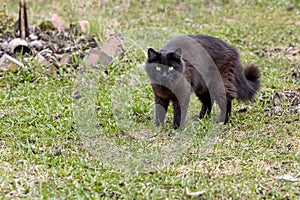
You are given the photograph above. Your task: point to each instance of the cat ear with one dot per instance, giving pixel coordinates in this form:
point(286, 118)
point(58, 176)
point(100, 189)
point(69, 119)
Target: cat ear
point(175, 55)
point(152, 54)
point(178, 52)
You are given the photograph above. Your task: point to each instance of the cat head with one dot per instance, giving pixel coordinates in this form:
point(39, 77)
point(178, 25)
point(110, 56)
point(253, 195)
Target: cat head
point(164, 67)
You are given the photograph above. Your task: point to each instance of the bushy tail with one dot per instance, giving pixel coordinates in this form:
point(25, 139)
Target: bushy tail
point(250, 84)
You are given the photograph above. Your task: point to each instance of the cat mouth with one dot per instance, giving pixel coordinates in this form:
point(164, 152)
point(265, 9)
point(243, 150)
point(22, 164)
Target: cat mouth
point(164, 82)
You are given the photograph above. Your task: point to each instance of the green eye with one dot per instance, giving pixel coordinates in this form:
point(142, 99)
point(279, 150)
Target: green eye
point(171, 68)
point(158, 68)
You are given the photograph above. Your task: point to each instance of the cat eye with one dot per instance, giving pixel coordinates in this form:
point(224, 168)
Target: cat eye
point(171, 68)
point(158, 68)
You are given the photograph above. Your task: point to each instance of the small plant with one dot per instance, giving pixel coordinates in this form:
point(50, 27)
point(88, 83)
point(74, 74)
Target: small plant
point(6, 21)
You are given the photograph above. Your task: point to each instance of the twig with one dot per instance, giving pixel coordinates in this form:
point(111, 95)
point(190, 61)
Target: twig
point(23, 24)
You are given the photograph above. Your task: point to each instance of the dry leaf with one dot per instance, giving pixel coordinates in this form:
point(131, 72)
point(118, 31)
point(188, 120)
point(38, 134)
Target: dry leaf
point(194, 194)
point(287, 177)
point(84, 25)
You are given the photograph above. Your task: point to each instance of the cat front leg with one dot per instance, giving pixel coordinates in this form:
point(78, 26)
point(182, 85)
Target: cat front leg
point(225, 112)
point(161, 108)
point(206, 104)
point(180, 111)
point(177, 114)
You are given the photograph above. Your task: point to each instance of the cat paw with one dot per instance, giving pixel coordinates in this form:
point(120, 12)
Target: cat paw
point(195, 118)
point(222, 121)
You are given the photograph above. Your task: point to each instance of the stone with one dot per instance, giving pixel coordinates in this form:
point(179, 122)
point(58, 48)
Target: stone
point(4, 45)
point(33, 37)
point(41, 59)
point(7, 62)
point(111, 48)
point(37, 44)
point(66, 59)
point(98, 56)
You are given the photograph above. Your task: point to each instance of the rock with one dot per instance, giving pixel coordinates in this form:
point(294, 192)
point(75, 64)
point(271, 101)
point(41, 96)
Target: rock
point(54, 47)
point(4, 45)
point(46, 52)
point(67, 49)
point(66, 59)
point(41, 59)
point(97, 55)
point(7, 62)
point(37, 44)
point(112, 48)
point(45, 37)
point(33, 37)
point(50, 58)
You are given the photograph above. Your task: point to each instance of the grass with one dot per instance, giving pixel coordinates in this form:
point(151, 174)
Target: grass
point(104, 144)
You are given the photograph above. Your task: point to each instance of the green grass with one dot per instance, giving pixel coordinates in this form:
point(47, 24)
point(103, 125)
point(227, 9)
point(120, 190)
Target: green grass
point(104, 144)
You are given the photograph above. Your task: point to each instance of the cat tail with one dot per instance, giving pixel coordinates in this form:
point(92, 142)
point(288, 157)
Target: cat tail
point(250, 84)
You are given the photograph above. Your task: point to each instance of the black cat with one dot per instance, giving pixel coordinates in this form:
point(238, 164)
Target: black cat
point(203, 64)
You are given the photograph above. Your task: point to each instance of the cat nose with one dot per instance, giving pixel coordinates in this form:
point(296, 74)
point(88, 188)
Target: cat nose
point(164, 74)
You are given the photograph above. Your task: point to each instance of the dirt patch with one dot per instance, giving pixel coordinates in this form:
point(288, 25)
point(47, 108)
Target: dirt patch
point(289, 52)
point(283, 103)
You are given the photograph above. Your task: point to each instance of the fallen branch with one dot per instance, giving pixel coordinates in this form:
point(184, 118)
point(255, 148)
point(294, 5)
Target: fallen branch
point(23, 24)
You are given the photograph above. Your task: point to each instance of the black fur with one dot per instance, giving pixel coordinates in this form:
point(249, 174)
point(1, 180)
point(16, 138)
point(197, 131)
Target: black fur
point(203, 64)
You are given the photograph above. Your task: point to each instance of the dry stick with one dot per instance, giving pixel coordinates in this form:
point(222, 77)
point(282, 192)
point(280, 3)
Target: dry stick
point(23, 24)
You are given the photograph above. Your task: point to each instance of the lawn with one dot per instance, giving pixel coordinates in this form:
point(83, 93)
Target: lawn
point(55, 145)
